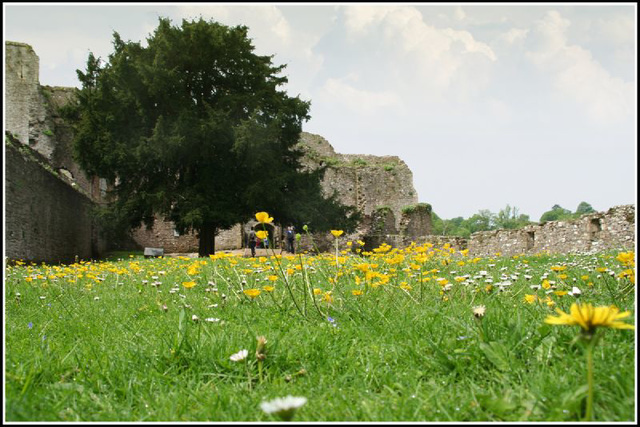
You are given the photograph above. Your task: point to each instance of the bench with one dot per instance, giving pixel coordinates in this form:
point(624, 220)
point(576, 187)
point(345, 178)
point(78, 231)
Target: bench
point(153, 252)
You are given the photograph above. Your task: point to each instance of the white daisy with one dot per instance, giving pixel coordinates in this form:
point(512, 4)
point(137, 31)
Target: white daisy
point(283, 407)
point(239, 356)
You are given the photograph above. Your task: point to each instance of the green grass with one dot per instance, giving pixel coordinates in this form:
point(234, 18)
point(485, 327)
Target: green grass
point(94, 343)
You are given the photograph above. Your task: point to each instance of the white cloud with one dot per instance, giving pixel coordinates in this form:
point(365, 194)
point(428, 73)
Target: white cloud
point(514, 35)
point(618, 30)
point(339, 91)
point(424, 59)
point(575, 73)
point(459, 14)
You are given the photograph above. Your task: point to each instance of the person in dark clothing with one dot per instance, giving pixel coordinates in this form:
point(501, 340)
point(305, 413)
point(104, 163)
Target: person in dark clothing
point(290, 235)
point(252, 241)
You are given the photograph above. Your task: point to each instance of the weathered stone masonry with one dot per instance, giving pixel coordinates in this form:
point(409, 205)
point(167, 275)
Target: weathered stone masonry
point(614, 229)
point(47, 220)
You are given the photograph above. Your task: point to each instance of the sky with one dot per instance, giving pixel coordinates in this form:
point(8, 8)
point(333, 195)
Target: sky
point(489, 104)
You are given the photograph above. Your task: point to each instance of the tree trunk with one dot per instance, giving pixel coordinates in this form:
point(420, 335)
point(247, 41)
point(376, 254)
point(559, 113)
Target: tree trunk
point(207, 240)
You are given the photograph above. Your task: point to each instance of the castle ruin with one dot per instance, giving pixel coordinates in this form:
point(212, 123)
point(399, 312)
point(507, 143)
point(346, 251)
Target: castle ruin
point(49, 197)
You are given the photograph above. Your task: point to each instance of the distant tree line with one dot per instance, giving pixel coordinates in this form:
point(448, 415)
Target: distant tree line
point(508, 218)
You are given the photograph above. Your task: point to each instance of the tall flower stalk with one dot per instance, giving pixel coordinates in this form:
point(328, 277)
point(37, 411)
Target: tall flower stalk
point(590, 318)
point(264, 218)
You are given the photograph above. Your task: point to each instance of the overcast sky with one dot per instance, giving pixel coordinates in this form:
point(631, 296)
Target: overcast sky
point(527, 105)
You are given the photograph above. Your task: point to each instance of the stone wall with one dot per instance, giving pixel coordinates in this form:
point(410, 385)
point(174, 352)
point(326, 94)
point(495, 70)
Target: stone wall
point(614, 229)
point(26, 114)
point(163, 235)
point(46, 219)
point(364, 181)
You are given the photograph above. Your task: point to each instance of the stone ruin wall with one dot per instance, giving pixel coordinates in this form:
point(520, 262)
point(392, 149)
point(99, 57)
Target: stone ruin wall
point(46, 219)
point(31, 113)
point(611, 230)
point(48, 198)
point(365, 181)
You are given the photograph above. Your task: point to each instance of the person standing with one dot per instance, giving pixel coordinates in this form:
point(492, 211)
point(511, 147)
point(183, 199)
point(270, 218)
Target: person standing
point(290, 239)
point(252, 241)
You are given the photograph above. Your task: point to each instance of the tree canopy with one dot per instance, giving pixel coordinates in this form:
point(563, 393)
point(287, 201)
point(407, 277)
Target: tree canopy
point(196, 128)
point(557, 213)
point(507, 218)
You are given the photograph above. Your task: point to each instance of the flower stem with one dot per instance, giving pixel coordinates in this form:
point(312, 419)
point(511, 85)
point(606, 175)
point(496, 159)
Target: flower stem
point(248, 376)
point(589, 409)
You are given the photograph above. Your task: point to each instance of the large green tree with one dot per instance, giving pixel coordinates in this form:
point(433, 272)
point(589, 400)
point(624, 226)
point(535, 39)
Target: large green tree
point(194, 127)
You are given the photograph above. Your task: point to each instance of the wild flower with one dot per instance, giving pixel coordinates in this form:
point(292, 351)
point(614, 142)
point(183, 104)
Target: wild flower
point(590, 318)
point(264, 218)
point(239, 356)
point(285, 407)
point(478, 311)
point(251, 293)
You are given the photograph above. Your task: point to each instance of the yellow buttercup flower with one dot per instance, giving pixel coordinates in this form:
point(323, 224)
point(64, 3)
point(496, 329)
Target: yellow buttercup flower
point(188, 285)
point(264, 218)
point(252, 293)
point(262, 234)
point(627, 258)
point(337, 233)
point(589, 317)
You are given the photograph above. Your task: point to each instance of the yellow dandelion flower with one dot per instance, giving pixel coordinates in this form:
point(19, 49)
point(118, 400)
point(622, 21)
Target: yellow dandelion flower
point(530, 299)
point(268, 288)
point(405, 286)
point(356, 292)
point(337, 233)
point(188, 285)
point(589, 317)
point(627, 258)
point(317, 291)
point(251, 293)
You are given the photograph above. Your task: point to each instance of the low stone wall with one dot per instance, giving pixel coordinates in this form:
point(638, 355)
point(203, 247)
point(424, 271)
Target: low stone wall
point(46, 219)
point(614, 229)
point(163, 235)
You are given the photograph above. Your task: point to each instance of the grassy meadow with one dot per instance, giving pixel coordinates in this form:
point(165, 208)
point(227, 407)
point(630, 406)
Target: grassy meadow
point(419, 334)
